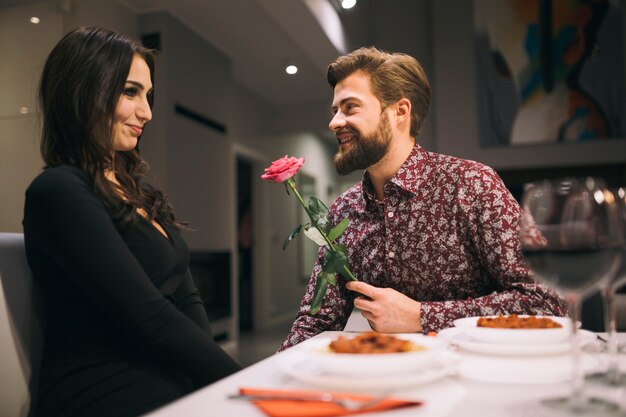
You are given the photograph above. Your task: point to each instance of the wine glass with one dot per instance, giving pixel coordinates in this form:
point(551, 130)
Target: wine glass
point(571, 238)
point(613, 376)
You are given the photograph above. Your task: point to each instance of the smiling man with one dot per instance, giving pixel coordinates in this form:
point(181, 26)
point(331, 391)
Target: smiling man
point(432, 238)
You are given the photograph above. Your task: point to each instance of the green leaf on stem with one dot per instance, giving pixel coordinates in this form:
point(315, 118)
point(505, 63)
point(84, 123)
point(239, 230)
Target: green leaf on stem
point(330, 278)
point(321, 284)
point(317, 209)
point(338, 230)
point(315, 235)
point(292, 236)
point(286, 184)
point(335, 261)
point(323, 225)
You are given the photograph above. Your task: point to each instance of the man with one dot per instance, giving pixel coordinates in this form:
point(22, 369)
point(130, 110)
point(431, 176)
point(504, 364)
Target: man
point(432, 238)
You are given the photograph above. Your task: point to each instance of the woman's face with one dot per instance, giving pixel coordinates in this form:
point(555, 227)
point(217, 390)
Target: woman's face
point(132, 111)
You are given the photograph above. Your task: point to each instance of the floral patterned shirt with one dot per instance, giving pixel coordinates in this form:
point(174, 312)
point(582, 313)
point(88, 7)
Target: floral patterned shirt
point(446, 235)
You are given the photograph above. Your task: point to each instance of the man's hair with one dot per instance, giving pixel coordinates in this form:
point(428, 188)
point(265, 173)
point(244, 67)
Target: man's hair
point(393, 76)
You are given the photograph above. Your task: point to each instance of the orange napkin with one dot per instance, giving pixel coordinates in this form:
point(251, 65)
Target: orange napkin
point(288, 408)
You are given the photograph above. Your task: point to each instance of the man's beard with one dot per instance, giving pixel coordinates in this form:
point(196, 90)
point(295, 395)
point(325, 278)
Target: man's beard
point(366, 150)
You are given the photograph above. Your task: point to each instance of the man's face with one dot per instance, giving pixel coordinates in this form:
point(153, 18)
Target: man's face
point(360, 124)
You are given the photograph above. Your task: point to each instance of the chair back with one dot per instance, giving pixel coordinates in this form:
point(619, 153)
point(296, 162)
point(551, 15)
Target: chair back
point(21, 335)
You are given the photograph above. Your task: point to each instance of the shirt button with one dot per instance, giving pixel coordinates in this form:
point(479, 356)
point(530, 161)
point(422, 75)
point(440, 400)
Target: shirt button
point(391, 254)
point(390, 214)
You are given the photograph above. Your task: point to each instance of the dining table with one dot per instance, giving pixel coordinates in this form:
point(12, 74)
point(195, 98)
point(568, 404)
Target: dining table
point(467, 383)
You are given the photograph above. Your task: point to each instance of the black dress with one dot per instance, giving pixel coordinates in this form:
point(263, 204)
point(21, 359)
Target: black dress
point(125, 329)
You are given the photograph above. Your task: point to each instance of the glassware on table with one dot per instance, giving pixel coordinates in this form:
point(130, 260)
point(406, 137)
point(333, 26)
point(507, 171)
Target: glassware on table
point(571, 238)
point(613, 376)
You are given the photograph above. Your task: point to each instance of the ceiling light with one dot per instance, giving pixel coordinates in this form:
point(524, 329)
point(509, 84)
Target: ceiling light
point(291, 69)
point(348, 4)
point(34, 20)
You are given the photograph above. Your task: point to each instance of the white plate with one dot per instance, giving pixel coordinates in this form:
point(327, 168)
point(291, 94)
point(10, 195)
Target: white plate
point(459, 337)
point(549, 369)
point(300, 367)
point(363, 364)
point(516, 336)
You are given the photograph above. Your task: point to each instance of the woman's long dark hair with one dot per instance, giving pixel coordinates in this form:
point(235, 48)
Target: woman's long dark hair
point(82, 81)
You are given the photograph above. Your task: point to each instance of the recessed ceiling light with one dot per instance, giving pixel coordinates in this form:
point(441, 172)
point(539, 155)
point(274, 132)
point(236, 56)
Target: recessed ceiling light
point(34, 20)
point(291, 69)
point(348, 4)
point(24, 110)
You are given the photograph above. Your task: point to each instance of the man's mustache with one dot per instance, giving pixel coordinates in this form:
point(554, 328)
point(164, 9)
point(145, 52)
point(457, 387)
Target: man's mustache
point(347, 130)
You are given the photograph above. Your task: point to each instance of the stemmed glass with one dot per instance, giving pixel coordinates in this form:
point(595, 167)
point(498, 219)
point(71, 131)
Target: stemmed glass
point(571, 239)
point(613, 376)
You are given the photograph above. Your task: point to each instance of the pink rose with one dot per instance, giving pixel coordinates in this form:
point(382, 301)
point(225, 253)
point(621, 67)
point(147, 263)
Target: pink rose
point(282, 169)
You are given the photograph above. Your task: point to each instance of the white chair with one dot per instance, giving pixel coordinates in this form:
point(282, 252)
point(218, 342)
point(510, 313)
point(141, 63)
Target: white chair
point(21, 336)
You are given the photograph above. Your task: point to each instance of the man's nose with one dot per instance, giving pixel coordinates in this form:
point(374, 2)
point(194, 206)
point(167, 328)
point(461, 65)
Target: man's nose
point(337, 122)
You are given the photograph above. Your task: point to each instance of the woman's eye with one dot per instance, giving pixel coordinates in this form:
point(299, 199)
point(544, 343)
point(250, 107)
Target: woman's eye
point(130, 91)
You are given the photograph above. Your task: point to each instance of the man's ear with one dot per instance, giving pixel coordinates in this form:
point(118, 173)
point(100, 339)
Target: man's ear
point(403, 111)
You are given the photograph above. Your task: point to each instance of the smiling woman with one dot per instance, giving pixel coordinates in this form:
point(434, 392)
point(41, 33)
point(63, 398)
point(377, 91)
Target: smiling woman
point(126, 330)
point(133, 108)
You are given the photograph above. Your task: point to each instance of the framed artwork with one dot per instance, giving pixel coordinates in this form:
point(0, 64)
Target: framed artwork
point(549, 71)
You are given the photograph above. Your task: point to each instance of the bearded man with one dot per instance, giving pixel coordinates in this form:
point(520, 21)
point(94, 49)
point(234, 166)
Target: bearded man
point(432, 238)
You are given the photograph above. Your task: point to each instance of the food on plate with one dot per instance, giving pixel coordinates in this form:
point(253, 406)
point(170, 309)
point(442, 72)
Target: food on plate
point(516, 322)
point(372, 342)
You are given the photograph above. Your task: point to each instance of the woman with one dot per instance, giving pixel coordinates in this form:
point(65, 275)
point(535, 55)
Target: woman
point(125, 328)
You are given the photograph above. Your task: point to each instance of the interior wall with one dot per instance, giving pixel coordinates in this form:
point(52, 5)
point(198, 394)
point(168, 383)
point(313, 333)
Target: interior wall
point(24, 47)
point(109, 14)
point(413, 36)
point(20, 68)
point(196, 161)
point(456, 104)
point(250, 118)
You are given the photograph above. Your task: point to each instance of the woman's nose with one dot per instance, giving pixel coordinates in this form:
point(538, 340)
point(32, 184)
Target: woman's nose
point(144, 111)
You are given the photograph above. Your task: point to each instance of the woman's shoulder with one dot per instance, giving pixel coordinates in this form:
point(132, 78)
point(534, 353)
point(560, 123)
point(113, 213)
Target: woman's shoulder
point(58, 179)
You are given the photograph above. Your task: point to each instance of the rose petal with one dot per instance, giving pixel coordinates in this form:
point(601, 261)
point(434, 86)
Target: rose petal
point(282, 169)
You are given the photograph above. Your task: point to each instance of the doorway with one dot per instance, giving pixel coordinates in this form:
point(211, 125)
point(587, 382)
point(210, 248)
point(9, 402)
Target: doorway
point(245, 239)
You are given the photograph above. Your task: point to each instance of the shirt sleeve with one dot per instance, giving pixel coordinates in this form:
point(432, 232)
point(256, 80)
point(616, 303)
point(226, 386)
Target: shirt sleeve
point(490, 215)
point(67, 222)
point(335, 309)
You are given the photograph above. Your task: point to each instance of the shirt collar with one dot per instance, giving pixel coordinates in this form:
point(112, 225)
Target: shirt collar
point(409, 179)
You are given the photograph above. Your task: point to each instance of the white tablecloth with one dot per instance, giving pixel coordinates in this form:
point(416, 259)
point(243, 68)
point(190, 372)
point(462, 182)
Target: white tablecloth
point(466, 392)
point(482, 386)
